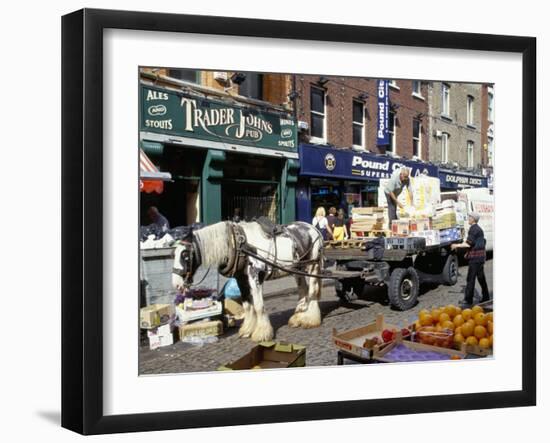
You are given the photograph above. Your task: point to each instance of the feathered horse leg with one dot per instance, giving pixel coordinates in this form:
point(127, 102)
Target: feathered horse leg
point(263, 331)
point(307, 313)
point(249, 322)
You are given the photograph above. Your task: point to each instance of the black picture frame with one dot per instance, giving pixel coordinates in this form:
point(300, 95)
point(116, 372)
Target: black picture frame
point(82, 254)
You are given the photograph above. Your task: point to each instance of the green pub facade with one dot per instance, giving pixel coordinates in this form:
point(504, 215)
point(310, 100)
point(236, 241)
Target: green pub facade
point(226, 156)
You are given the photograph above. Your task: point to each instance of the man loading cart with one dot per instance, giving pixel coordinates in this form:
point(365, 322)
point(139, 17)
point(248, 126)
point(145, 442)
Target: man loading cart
point(399, 179)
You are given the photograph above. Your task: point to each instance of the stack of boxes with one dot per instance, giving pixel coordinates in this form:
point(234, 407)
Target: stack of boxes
point(366, 221)
point(157, 319)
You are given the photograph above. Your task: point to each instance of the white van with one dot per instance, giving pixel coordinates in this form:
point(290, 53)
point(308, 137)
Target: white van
point(478, 200)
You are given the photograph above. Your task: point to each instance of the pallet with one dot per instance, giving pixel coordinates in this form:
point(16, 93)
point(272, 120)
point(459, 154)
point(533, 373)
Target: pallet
point(345, 244)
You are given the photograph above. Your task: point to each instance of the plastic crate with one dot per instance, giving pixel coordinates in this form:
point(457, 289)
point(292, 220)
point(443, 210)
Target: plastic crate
point(407, 243)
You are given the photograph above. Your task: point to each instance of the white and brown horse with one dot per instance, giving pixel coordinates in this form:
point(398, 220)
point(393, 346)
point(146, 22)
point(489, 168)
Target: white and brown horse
point(299, 246)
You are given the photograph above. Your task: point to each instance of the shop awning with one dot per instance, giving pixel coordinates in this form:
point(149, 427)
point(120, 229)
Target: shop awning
point(150, 178)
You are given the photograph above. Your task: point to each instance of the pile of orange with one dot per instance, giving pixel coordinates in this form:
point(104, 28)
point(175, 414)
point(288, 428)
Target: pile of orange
point(471, 326)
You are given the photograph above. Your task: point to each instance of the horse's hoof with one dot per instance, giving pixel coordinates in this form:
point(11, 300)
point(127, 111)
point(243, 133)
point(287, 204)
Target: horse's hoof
point(294, 321)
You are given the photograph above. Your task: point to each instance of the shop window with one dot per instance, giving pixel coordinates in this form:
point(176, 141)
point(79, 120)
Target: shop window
point(358, 124)
point(318, 113)
point(445, 99)
point(470, 111)
point(417, 132)
point(470, 151)
point(252, 86)
point(444, 147)
point(392, 132)
point(188, 75)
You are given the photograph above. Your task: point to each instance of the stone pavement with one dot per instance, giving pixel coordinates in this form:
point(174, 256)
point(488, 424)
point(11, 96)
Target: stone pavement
point(280, 300)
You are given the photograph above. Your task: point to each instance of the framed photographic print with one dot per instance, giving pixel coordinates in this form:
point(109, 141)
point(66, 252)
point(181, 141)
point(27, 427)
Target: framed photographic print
point(253, 209)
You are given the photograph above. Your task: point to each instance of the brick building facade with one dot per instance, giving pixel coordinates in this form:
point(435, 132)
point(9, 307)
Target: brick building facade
point(455, 124)
point(349, 117)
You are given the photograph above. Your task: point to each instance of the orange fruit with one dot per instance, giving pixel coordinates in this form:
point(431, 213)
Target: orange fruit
point(458, 330)
point(426, 320)
point(466, 314)
point(481, 319)
point(471, 341)
point(423, 312)
point(484, 343)
point(458, 320)
point(458, 311)
point(480, 331)
point(491, 340)
point(448, 324)
point(436, 312)
point(477, 309)
point(489, 316)
point(449, 310)
point(444, 317)
point(417, 325)
point(459, 339)
point(438, 327)
point(490, 327)
point(467, 329)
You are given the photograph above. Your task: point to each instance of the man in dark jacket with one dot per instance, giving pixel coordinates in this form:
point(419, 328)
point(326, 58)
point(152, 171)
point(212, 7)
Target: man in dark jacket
point(476, 261)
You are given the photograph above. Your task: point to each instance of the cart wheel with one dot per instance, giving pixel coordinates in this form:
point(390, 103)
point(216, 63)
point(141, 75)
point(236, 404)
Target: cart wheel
point(450, 270)
point(403, 288)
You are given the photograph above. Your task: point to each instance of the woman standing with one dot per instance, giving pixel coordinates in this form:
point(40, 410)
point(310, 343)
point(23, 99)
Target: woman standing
point(321, 223)
point(340, 231)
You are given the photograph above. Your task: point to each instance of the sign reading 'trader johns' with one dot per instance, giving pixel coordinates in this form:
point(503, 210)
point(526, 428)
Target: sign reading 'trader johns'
point(170, 112)
point(382, 136)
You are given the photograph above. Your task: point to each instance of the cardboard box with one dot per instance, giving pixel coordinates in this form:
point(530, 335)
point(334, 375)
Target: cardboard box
point(367, 211)
point(233, 308)
point(188, 315)
point(444, 219)
point(421, 352)
point(201, 329)
point(401, 227)
point(421, 224)
point(155, 315)
point(269, 355)
point(362, 341)
point(160, 336)
point(432, 236)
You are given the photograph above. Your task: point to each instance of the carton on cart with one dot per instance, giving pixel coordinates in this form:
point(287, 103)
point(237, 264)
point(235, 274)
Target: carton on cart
point(269, 355)
point(421, 224)
point(401, 227)
point(155, 315)
point(362, 341)
point(432, 236)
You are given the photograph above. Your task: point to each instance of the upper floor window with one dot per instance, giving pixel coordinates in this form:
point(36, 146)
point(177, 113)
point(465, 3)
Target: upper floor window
point(252, 86)
point(188, 75)
point(358, 123)
point(444, 148)
point(490, 151)
point(318, 113)
point(417, 88)
point(470, 110)
point(445, 99)
point(491, 105)
point(417, 131)
point(470, 152)
point(393, 84)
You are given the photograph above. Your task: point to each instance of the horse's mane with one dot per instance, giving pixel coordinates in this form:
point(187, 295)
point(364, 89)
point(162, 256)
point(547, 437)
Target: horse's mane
point(214, 244)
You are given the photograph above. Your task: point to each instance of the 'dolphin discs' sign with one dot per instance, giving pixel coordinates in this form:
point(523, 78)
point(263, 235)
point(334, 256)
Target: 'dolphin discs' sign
point(176, 113)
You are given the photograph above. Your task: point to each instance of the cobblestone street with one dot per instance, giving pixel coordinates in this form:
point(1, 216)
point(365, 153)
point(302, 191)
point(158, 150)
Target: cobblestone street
point(280, 300)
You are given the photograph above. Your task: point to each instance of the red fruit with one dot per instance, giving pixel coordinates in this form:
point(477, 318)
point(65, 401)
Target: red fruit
point(387, 335)
point(405, 332)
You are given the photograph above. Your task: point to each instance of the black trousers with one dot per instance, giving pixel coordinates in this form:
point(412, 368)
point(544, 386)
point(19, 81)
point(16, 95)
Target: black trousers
point(392, 210)
point(476, 270)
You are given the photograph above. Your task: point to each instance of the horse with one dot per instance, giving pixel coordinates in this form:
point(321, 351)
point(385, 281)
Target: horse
point(240, 250)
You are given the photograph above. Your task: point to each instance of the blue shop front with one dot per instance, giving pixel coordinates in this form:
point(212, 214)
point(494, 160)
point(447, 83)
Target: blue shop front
point(453, 180)
point(344, 178)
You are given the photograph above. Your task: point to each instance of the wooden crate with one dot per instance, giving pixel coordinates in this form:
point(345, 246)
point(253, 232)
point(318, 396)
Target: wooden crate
point(361, 341)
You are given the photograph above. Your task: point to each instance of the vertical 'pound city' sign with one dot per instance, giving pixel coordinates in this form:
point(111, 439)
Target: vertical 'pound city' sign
point(383, 113)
